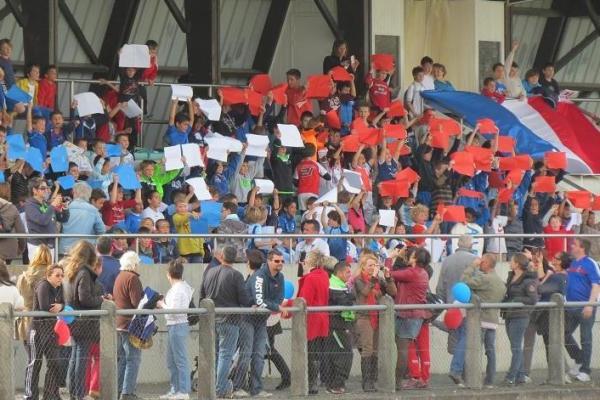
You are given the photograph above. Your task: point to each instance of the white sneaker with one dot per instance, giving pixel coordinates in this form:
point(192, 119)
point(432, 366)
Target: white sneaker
point(167, 396)
point(240, 394)
point(583, 377)
point(263, 394)
point(574, 371)
point(568, 379)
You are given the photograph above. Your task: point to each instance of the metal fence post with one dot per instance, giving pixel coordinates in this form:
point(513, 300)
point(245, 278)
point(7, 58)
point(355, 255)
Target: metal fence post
point(556, 345)
point(386, 364)
point(7, 361)
point(299, 365)
point(206, 352)
point(108, 353)
point(473, 352)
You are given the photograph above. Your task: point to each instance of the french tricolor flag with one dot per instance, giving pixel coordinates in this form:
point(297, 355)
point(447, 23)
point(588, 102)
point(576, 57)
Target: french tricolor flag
point(536, 127)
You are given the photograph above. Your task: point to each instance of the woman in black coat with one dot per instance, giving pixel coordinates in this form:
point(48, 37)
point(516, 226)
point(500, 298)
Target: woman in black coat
point(339, 57)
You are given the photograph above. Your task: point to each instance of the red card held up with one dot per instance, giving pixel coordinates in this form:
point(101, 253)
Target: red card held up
point(396, 110)
point(487, 125)
point(505, 195)
point(596, 203)
point(261, 83)
point(580, 198)
point(453, 213)
point(339, 74)
point(318, 87)
point(383, 62)
point(395, 131)
point(393, 148)
point(555, 160)
point(409, 175)
point(440, 140)
point(350, 144)
point(544, 184)
point(254, 102)
point(483, 157)
point(393, 188)
point(446, 125)
point(464, 163)
point(333, 120)
point(506, 144)
point(279, 95)
point(515, 176)
point(474, 194)
point(369, 136)
point(232, 95)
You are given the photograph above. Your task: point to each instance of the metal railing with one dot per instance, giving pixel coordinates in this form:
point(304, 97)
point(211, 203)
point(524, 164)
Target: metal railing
point(299, 354)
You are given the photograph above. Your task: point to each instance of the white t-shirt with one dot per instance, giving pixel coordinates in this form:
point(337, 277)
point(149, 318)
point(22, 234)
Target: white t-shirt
point(10, 294)
point(468, 229)
point(428, 82)
point(318, 244)
point(413, 96)
point(154, 215)
point(498, 245)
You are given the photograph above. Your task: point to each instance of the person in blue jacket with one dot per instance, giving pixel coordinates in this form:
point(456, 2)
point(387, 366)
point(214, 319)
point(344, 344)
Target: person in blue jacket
point(265, 286)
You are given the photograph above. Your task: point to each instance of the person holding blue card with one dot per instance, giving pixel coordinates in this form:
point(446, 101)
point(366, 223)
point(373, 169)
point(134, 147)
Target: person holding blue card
point(190, 248)
point(59, 159)
point(36, 127)
point(58, 132)
point(113, 211)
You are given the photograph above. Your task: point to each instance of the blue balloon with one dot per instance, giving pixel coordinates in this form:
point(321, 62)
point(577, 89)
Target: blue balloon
point(68, 320)
point(461, 292)
point(289, 290)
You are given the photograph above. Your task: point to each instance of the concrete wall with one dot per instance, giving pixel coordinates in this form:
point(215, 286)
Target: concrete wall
point(154, 369)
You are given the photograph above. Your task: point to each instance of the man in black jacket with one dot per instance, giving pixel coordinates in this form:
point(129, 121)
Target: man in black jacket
point(338, 361)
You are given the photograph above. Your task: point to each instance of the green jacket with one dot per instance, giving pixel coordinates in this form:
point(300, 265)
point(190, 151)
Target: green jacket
point(490, 289)
point(340, 296)
point(160, 178)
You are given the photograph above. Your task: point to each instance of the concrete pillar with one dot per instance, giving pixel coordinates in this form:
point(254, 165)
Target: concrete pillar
point(473, 352)
point(7, 361)
point(109, 379)
point(207, 363)
point(299, 365)
point(387, 353)
point(556, 345)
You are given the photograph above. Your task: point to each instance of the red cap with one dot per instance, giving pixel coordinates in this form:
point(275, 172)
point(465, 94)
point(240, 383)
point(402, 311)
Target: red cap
point(279, 95)
point(255, 101)
point(474, 194)
point(505, 195)
point(396, 109)
point(394, 189)
point(409, 175)
point(506, 144)
point(544, 184)
point(261, 83)
point(318, 87)
point(395, 131)
point(339, 74)
point(482, 157)
point(232, 95)
point(350, 144)
point(487, 125)
point(383, 62)
point(333, 120)
point(580, 198)
point(464, 163)
point(556, 160)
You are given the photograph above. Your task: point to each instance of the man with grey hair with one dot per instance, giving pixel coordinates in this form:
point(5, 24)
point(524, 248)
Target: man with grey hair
point(451, 273)
point(225, 286)
point(84, 218)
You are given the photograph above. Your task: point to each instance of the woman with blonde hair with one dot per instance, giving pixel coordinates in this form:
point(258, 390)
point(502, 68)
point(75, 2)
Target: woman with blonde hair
point(372, 281)
point(35, 273)
point(82, 292)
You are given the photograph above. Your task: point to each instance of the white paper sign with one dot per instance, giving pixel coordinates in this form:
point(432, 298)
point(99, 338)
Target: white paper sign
point(387, 218)
point(211, 108)
point(436, 247)
point(173, 158)
point(319, 211)
point(264, 186)
point(181, 92)
point(352, 181)
point(257, 145)
point(290, 135)
point(331, 196)
point(575, 220)
point(200, 188)
point(132, 110)
point(219, 146)
point(191, 152)
point(88, 103)
point(135, 56)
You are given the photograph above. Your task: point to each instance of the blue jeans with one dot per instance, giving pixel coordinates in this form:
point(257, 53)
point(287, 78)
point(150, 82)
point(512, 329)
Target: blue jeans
point(77, 367)
point(581, 355)
point(177, 358)
point(227, 338)
point(515, 329)
point(489, 345)
point(253, 347)
point(129, 360)
point(457, 365)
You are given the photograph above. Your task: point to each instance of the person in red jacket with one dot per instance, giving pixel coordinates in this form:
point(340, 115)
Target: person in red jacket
point(412, 284)
point(555, 245)
point(489, 90)
point(47, 89)
point(308, 176)
point(313, 287)
point(149, 74)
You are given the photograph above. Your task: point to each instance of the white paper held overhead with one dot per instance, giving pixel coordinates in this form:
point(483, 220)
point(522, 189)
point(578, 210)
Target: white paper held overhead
point(265, 186)
point(88, 103)
point(191, 152)
point(200, 188)
point(132, 110)
point(352, 181)
point(330, 197)
point(173, 158)
point(257, 145)
point(290, 135)
point(135, 56)
point(387, 218)
point(181, 92)
point(211, 108)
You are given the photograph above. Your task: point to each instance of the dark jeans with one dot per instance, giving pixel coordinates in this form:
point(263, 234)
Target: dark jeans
point(315, 358)
point(252, 344)
point(338, 359)
point(515, 329)
point(488, 336)
point(77, 367)
point(42, 344)
point(581, 355)
point(274, 356)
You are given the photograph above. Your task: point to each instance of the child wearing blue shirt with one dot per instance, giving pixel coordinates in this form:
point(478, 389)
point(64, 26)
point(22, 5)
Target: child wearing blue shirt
point(180, 125)
point(335, 223)
point(36, 126)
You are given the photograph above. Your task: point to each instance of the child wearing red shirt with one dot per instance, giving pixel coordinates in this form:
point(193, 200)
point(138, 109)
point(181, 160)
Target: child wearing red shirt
point(380, 94)
point(47, 89)
point(489, 90)
point(113, 211)
point(308, 175)
point(555, 245)
point(297, 103)
point(149, 74)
